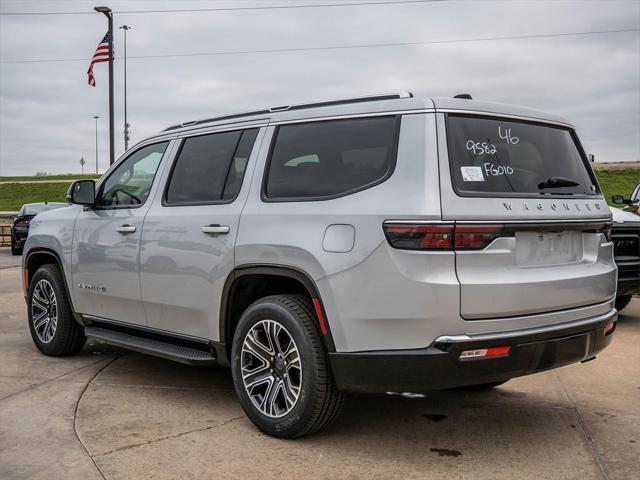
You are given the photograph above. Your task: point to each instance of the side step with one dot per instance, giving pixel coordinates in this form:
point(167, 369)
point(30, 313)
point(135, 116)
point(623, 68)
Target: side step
point(177, 353)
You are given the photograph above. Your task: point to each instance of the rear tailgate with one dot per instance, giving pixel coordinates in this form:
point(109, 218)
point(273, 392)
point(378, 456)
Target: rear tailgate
point(536, 268)
point(529, 184)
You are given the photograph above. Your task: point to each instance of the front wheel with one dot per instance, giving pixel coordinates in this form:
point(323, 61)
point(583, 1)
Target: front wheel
point(280, 370)
point(15, 249)
point(53, 329)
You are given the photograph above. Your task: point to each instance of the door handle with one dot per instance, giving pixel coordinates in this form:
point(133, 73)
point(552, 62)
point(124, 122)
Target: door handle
point(215, 228)
point(126, 228)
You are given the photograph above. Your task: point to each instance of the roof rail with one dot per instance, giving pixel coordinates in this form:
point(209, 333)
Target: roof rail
point(302, 106)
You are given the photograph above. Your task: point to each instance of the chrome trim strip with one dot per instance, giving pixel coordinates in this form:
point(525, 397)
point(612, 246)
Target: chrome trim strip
point(419, 222)
point(612, 314)
point(504, 115)
point(541, 220)
point(502, 222)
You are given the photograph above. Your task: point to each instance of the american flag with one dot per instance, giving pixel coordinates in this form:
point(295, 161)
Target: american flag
point(101, 55)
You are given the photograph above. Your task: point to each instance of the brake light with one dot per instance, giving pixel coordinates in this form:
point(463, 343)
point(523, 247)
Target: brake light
point(475, 237)
point(407, 236)
point(485, 353)
point(441, 236)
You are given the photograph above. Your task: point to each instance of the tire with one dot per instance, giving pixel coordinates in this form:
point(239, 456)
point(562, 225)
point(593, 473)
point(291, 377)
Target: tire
point(293, 412)
point(622, 301)
point(481, 387)
point(15, 250)
point(48, 302)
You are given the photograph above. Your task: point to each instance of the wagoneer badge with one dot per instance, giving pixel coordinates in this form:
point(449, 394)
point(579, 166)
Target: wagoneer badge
point(93, 288)
point(562, 206)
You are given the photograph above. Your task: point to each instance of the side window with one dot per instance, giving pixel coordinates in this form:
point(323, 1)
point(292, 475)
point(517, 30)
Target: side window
point(327, 159)
point(635, 196)
point(210, 168)
point(130, 183)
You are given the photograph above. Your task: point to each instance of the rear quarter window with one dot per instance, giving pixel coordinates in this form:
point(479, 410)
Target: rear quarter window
point(328, 159)
point(493, 156)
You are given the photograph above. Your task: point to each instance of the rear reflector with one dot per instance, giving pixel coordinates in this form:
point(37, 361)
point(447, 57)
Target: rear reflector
point(610, 327)
point(320, 315)
point(485, 353)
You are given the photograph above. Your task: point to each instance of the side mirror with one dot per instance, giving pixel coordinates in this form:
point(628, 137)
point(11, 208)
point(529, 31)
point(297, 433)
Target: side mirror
point(620, 200)
point(82, 192)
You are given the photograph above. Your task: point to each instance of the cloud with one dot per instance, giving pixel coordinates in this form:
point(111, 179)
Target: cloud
point(46, 109)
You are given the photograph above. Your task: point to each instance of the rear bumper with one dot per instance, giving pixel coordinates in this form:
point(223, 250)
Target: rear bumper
point(438, 366)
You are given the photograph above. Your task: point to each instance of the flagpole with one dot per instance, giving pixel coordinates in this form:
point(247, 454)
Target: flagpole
point(109, 14)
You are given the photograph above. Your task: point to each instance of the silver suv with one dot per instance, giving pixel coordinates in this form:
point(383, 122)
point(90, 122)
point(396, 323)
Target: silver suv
point(379, 244)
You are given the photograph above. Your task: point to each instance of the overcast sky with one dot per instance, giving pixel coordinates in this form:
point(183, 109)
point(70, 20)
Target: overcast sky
point(46, 109)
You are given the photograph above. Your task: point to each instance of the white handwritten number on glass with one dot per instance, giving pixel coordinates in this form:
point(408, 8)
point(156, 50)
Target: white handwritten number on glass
point(481, 148)
point(507, 135)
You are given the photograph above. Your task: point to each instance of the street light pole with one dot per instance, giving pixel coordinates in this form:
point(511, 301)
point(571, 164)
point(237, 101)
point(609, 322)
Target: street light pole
point(96, 117)
point(126, 124)
point(109, 14)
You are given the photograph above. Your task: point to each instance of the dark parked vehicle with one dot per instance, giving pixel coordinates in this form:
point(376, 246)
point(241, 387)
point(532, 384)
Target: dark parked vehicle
point(20, 225)
point(625, 235)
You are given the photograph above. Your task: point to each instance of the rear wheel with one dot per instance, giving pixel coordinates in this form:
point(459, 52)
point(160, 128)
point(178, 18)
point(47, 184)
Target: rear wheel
point(280, 369)
point(53, 329)
point(622, 301)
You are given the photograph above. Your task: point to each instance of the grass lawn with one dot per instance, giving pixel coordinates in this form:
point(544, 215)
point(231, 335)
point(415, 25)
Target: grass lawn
point(618, 182)
point(32, 178)
point(14, 195)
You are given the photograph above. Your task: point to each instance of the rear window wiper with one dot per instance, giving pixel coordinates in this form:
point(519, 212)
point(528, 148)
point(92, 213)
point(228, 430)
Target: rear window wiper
point(558, 182)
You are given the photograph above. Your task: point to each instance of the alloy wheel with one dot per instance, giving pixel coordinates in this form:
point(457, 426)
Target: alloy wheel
point(44, 311)
point(271, 368)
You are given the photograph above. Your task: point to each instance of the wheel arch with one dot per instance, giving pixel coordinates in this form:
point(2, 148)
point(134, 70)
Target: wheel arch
point(266, 280)
point(38, 257)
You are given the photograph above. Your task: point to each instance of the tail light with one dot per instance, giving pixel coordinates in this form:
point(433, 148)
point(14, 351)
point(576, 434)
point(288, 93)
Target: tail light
point(476, 237)
point(21, 223)
point(409, 236)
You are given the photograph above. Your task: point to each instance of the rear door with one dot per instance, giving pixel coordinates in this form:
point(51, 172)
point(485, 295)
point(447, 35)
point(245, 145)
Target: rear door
point(189, 233)
point(531, 225)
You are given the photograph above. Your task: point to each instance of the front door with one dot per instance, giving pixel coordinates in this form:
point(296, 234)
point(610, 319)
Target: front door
point(107, 240)
point(188, 239)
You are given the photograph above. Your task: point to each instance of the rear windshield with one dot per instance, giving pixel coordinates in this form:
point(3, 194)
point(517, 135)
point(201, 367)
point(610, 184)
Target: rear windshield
point(493, 156)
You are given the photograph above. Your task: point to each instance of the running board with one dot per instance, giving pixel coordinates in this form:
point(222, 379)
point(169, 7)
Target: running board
point(170, 351)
